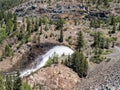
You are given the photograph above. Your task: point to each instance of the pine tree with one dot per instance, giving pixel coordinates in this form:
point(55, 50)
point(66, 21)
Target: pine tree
point(106, 2)
point(28, 26)
point(114, 29)
point(40, 22)
point(38, 39)
point(107, 43)
point(8, 51)
point(25, 86)
point(2, 86)
point(79, 64)
point(97, 55)
point(91, 23)
point(102, 42)
point(9, 82)
point(98, 3)
point(15, 23)
point(112, 20)
point(36, 25)
point(45, 20)
point(41, 30)
point(119, 27)
point(17, 82)
point(61, 36)
point(60, 24)
point(80, 41)
point(46, 27)
point(97, 39)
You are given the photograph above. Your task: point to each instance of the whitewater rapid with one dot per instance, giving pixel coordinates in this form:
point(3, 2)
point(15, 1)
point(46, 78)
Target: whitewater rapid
point(41, 60)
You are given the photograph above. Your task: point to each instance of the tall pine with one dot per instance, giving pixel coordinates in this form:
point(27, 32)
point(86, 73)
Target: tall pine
point(2, 87)
point(79, 64)
point(80, 41)
point(17, 82)
point(9, 82)
point(61, 36)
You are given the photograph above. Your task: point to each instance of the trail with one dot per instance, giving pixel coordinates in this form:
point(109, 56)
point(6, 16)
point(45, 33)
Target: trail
point(41, 60)
point(116, 53)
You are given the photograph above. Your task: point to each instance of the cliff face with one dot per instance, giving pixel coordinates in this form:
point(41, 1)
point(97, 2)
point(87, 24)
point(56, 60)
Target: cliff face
point(58, 77)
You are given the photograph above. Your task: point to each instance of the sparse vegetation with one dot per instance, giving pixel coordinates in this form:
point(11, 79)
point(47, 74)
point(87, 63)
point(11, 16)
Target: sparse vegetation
point(51, 61)
point(87, 26)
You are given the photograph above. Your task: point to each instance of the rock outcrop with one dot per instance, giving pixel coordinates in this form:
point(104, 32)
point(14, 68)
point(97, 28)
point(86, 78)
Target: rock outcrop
point(55, 77)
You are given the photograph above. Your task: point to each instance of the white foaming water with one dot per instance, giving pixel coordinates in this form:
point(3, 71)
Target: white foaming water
point(59, 50)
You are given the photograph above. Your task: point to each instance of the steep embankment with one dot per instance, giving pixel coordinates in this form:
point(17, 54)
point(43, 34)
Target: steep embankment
point(42, 59)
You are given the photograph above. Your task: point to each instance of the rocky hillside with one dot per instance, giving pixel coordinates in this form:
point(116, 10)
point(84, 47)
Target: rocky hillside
point(91, 28)
point(55, 77)
point(105, 76)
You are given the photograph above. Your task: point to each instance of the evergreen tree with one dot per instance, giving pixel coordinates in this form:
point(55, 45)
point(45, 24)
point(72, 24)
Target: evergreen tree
point(26, 86)
point(95, 23)
point(91, 23)
point(46, 27)
point(114, 29)
point(119, 27)
point(15, 23)
point(8, 51)
point(112, 20)
point(97, 55)
point(106, 2)
point(38, 39)
point(2, 87)
point(36, 25)
point(28, 25)
point(61, 36)
point(17, 82)
point(98, 3)
point(102, 42)
point(97, 39)
point(3, 35)
point(107, 43)
point(9, 82)
point(41, 30)
point(60, 24)
point(9, 28)
point(79, 64)
point(40, 22)
point(45, 20)
point(80, 41)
